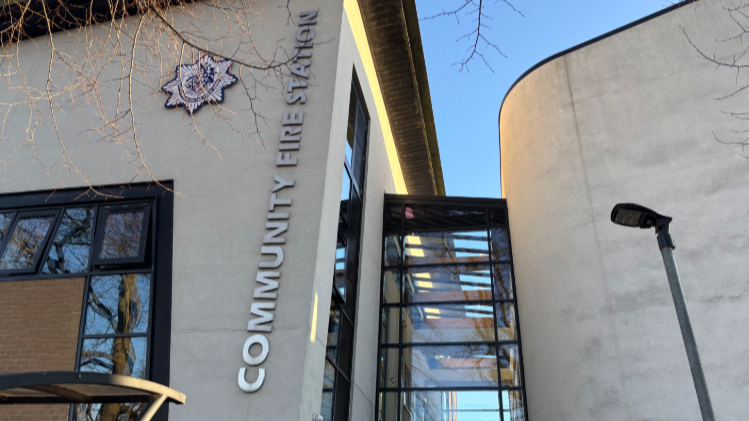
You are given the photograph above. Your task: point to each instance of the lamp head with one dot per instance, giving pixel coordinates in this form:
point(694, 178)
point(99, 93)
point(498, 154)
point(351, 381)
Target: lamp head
point(633, 215)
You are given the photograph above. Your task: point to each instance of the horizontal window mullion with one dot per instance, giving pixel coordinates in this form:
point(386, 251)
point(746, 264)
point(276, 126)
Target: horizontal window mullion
point(114, 335)
point(445, 389)
point(338, 369)
point(432, 344)
point(438, 303)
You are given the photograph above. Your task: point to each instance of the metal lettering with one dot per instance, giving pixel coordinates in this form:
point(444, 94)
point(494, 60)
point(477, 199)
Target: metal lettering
point(294, 83)
point(268, 285)
point(300, 69)
point(291, 134)
point(310, 34)
point(308, 17)
point(258, 309)
point(250, 387)
point(252, 340)
point(292, 98)
point(267, 264)
point(278, 215)
point(275, 201)
point(281, 183)
point(278, 228)
point(293, 119)
point(284, 159)
point(289, 147)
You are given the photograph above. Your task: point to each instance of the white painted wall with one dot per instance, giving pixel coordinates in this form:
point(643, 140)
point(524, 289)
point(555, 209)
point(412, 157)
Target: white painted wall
point(220, 215)
point(629, 119)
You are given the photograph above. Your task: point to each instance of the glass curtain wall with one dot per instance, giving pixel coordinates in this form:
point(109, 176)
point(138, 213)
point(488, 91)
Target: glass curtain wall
point(449, 339)
point(340, 348)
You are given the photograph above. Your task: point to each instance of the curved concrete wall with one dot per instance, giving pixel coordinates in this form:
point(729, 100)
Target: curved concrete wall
point(629, 119)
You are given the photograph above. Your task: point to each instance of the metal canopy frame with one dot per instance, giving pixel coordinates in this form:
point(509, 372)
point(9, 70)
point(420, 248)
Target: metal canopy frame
point(75, 387)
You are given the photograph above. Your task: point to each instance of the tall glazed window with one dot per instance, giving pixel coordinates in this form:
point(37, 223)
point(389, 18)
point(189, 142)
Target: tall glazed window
point(449, 338)
point(337, 382)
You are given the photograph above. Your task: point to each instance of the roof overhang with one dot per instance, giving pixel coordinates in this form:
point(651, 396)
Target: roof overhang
point(392, 28)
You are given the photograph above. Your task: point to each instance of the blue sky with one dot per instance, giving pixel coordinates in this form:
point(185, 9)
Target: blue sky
point(466, 104)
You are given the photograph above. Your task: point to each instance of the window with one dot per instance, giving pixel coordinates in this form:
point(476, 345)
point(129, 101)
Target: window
point(449, 338)
point(122, 248)
point(340, 348)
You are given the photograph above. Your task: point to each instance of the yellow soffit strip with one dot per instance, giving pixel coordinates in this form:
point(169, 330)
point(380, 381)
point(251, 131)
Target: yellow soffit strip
point(353, 14)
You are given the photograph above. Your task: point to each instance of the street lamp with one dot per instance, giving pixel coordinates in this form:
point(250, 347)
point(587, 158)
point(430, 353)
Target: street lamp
point(632, 215)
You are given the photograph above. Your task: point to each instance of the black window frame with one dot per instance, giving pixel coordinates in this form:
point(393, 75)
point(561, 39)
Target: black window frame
point(158, 255)
point(41, 251)
point(406, 215)
point(105, 211)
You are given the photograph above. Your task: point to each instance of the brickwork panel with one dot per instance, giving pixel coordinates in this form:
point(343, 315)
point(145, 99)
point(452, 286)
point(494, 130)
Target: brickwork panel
point(39, 322)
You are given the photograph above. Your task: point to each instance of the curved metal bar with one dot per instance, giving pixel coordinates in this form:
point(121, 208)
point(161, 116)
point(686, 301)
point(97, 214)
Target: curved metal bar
point(41, 379)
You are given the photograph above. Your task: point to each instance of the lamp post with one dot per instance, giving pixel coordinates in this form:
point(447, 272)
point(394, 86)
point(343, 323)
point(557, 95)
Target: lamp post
point(632, 215)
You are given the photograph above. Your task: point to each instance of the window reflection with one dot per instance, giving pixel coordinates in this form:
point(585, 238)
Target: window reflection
point(503, 281)
point(448, 366)
point(328, 389)
point(122, 234)
point(118, 304)
point(125, 356)
point(391, 287)
point(334, 327)
point(25, 242)
point(451, 406)
point(500, 244)
point(506, 329)
point(449, 323)
point(447, 247)
point(72, 244)
point(448, 283)
point(345, 195)
point(5, 218)
point(509, 363)
point(512, 405)
point(340, 268)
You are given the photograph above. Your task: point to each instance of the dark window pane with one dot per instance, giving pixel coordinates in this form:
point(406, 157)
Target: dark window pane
point(450, 366)
point(389, 367)
point(340, 268)
point(126, 356)
point(389, 329)
point(506, 325)
point(328, 389)
point(118, 304)
point(448, 283)
point(448, 323)
point(509, 363)
point(503, 281)
point(392, 254)
point(452, 406)
point(25, 242)
point(334, 327)
point(391, 282)
point(389, 407)
point(71, 246)
point(500, 244)
point(447, 247)
point(512, 406)
point(5, 219)
point(122, 232)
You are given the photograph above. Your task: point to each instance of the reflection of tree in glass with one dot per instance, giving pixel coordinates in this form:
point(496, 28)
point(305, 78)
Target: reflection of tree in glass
point(119, 355)
point(122, 235)
point(115, 304)
point(72, 244)
point(25, 242)
point(5, 219)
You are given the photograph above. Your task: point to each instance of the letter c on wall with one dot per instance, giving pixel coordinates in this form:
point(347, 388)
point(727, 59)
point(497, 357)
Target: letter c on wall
point(250, 387)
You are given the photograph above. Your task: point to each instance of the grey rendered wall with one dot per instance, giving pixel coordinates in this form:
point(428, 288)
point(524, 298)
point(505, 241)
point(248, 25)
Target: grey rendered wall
point(220, 216)
point(629, 119)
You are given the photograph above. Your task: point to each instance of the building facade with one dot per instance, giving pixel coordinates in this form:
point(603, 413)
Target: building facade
point(631, 116)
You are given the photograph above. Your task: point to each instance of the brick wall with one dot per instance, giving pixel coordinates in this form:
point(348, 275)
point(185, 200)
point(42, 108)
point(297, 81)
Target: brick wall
point(39, 321)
